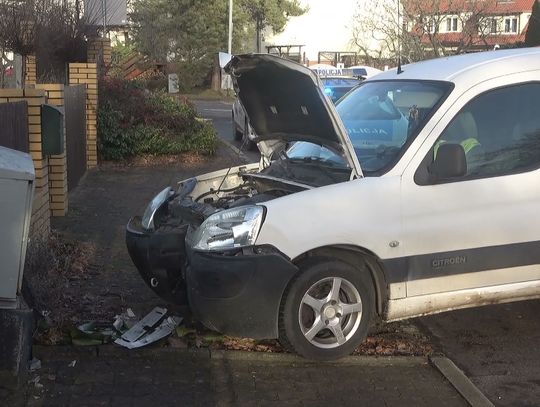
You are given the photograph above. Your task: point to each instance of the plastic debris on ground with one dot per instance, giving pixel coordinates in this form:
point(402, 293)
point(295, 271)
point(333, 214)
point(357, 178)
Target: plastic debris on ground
point(92, 333)
point(126, 330)
point(36, 383)
point(124, 321)
point(153, 327)
point(35, 364)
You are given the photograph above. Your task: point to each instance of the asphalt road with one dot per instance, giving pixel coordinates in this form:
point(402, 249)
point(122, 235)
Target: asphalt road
point(497, 346)
point(220, 114)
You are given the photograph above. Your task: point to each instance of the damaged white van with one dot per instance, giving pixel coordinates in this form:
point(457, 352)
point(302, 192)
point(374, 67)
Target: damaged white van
point(417, 193)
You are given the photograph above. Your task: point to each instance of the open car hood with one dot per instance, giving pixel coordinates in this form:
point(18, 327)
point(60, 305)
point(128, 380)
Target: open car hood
point(284, 102)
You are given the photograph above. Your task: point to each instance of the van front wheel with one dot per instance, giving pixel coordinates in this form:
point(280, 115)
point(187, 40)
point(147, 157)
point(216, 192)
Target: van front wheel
point(326, 310)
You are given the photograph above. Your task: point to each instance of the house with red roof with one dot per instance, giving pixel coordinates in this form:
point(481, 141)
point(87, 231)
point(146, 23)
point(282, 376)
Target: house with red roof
point(455, 26)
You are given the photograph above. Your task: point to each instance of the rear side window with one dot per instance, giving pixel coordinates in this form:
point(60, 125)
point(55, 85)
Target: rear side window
point(498, 130)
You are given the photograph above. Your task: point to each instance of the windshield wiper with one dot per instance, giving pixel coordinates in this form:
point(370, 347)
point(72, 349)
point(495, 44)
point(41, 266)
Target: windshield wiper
point(312, 160)
point(317, 162)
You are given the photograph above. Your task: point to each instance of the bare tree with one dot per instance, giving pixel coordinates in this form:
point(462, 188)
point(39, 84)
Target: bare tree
point(380, 34)
point(452, 26)
point(6, 62)
point(54, 29)
point(423, 28)
point(18, 22)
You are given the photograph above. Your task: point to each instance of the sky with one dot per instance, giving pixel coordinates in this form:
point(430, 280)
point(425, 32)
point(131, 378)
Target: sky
point(327, 26)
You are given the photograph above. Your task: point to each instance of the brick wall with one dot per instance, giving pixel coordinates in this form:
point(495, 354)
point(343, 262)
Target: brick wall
point(87, 74)
point(30, 74)
point(99, 52)
point(58, 186)
point(41, 217)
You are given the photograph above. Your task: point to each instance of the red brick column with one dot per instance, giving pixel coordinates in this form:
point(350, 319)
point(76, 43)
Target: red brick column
point(87, 74)
point(41, 215)
point(58, 187)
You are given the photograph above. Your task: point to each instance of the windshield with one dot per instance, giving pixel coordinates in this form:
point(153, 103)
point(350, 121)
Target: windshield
point(381, 119)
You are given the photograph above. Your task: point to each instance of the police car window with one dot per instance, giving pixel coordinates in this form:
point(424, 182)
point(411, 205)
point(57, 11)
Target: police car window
point(340, 81)
point(499, 131)
point(382, 117)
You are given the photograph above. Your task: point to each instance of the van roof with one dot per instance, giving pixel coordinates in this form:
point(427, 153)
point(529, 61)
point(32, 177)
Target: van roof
point(469, 68)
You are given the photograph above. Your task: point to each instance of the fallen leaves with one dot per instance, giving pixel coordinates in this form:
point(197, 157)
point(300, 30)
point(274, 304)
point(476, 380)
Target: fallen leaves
point(251, 345)
point(395, 339)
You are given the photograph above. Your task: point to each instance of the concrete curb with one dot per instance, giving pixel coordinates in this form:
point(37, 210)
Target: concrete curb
point(110, 350)
point(292, 358)
point(461, 383)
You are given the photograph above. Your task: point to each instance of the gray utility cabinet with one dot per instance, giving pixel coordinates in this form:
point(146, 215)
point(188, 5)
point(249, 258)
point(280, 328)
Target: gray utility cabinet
point(16, 192)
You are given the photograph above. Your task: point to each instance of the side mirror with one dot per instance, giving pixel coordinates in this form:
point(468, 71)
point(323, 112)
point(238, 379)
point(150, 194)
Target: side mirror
point(450, 162)
point(224, 59)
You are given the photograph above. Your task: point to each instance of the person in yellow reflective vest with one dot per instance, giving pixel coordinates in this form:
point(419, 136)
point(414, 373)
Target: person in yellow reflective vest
point(462, 130)
point(472, 148)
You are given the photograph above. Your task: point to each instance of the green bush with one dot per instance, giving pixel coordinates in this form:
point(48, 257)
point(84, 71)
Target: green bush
point(134, 121)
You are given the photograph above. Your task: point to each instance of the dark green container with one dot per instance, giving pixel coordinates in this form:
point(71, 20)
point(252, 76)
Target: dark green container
point(52, 130)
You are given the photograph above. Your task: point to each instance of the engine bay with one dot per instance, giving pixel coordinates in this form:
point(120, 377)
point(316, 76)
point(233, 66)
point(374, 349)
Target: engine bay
point(197, 198)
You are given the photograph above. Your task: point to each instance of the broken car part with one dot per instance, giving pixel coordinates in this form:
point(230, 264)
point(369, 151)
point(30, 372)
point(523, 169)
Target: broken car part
point(153, 327)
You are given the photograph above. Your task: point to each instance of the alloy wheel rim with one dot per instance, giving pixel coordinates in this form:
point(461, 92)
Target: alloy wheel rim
point(330, 312)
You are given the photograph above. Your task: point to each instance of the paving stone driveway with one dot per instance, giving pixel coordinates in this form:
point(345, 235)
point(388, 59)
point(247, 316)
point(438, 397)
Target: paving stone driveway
point(176, 377)
point(99, 210)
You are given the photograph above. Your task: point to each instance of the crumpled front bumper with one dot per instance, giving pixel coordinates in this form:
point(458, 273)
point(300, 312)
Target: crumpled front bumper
point(237, 292)
point(160, 258)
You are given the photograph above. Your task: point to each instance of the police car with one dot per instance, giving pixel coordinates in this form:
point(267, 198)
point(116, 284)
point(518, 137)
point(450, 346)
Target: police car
point(336, 82)
point(383, 206)
point(240, 124)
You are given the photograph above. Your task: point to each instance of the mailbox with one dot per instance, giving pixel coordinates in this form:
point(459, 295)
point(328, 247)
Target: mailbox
point(52, 130)
point(16, 193)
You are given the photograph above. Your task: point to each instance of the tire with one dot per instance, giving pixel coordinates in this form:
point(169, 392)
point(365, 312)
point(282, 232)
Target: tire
point(248, 144)
point(237, 134)
point(313, 330)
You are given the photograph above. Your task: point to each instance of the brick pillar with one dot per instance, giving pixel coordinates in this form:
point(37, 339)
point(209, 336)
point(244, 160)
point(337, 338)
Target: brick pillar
point(87, 74)
point(58, 186)
point(40, 225)
point(100, 53)
point(30, 74)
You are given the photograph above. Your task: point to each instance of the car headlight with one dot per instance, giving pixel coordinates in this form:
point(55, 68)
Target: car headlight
point(148, 216)
point(229, 229)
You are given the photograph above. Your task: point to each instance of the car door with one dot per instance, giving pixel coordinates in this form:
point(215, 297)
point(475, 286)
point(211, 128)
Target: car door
point(481, 229)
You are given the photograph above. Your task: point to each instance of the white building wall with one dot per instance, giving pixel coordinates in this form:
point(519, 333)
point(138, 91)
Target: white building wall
point(327, 26)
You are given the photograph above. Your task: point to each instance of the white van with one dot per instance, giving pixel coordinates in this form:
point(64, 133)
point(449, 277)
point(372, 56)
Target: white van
point(417, 193)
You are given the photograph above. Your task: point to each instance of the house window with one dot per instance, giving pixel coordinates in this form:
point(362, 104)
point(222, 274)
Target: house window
point(492, 26)
point(431, 26)
point(510, 25)
point(489, 26)
point(452, 24)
